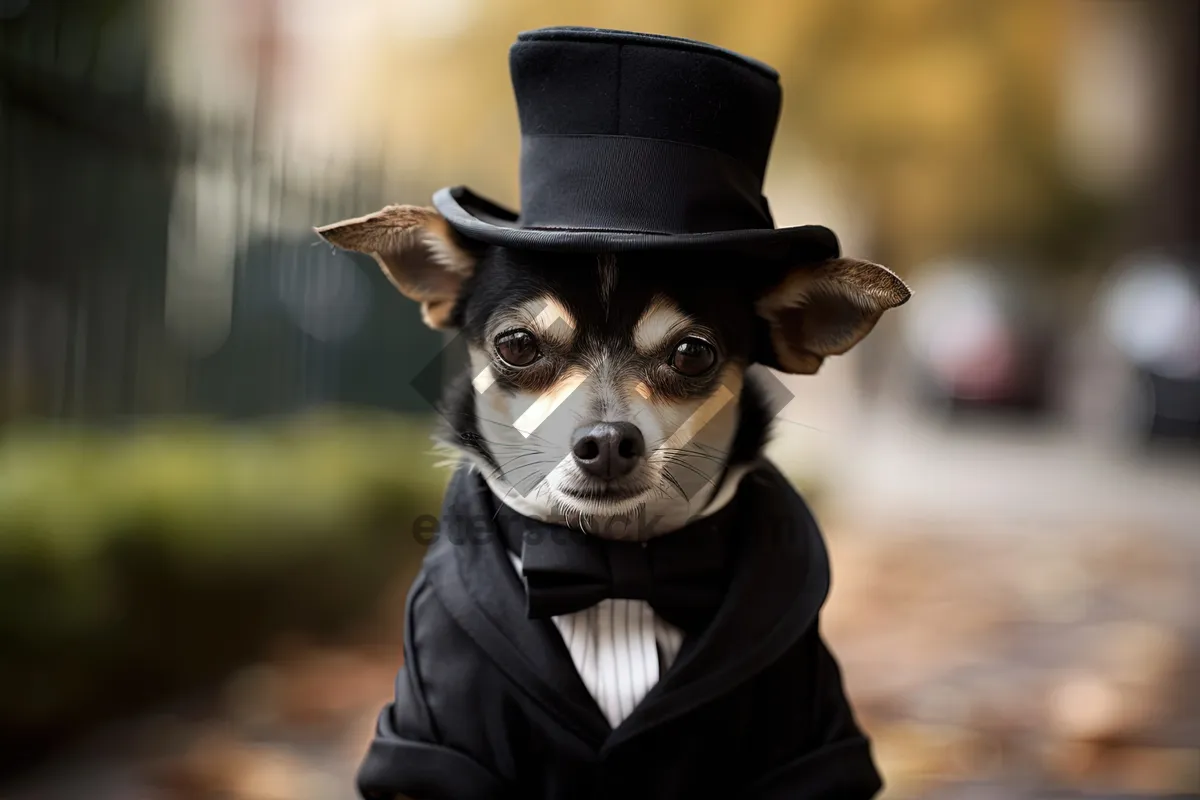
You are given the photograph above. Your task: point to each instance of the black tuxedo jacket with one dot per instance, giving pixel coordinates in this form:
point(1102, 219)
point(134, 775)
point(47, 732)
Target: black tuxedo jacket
point(489, 704)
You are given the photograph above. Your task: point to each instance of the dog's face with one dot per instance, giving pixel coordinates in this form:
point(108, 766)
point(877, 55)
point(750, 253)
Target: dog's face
point(612, 390)
point(605, 386)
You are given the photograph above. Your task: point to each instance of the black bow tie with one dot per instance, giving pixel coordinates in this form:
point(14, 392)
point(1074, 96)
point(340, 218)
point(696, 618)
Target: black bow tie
point(683, 575)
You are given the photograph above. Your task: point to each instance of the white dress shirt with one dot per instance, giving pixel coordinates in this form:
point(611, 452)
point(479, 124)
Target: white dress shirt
point(620, 648)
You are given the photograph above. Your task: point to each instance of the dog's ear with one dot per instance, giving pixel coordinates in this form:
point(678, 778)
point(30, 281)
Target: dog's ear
point(824, 309)
point(418, 252)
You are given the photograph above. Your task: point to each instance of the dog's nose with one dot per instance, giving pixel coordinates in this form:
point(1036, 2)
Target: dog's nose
point(609, 449)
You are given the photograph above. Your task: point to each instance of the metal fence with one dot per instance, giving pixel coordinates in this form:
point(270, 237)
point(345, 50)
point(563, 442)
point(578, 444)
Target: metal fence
point(90, 173)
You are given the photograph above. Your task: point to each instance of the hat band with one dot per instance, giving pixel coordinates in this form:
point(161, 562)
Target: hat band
point(625, 183)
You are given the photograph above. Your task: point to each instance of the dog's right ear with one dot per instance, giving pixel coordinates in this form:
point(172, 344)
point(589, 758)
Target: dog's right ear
point(821, 310)
point(417, 250)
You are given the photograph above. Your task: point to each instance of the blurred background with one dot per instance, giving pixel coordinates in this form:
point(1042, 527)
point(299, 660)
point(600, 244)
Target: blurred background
point(212, 451)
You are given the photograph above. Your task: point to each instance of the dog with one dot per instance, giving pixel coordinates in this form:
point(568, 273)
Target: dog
point(614, 399)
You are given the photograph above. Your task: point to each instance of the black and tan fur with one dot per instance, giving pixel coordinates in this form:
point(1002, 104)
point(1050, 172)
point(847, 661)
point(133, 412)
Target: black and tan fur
point(606, 328)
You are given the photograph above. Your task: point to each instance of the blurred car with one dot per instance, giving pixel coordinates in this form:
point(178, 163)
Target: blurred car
point(977, 339)
point(1150, 314)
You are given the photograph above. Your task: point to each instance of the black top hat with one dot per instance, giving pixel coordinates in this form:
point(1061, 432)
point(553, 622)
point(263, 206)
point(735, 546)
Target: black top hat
point(634, 141)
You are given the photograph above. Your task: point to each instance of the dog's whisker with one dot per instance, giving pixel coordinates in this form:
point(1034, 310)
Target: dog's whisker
point(675, 458)
point(491, 443)
point(537, 473)
point(709, 447)
point(699, 447)
point(687, 466)
point(513, 446)
point(541, 457)
point(683, 453)
point(500, 505)
point(511, 426)
point(799, 424)
point(512, 457)
point(674, 482)
point(500, 468)
point(530, 480)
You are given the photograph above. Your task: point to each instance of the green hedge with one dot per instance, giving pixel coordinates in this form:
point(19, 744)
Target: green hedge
point(135, 564)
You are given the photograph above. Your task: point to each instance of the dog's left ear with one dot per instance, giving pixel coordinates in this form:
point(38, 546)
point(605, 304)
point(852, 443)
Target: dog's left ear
point(824, 309)
point(417, 250)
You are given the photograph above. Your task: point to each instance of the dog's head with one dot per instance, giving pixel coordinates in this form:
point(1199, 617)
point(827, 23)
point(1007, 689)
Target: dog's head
point(614, 388)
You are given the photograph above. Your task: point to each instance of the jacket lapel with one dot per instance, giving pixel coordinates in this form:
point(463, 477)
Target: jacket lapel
point(779, 585)
point(471, 573)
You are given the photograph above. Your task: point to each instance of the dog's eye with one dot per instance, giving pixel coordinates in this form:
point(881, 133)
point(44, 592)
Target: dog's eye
point(517, 348)
point(693, 357)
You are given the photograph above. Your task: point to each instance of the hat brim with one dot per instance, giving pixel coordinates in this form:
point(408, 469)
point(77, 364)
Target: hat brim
point(479, 219)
